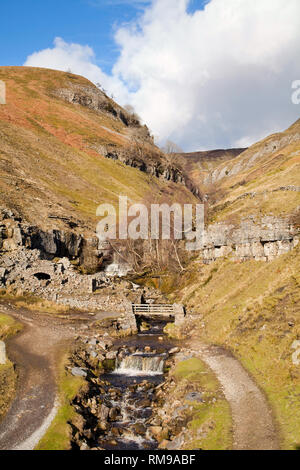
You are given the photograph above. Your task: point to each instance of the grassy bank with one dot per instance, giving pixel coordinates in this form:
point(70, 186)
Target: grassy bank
point(8, 381)
point(8, 378)
point(209, 425)
point(252, 308)
point(8, 326)
point(33, 303)
point(58, 435)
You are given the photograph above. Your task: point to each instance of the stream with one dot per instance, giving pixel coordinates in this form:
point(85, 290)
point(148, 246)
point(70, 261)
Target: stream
point(126, 394)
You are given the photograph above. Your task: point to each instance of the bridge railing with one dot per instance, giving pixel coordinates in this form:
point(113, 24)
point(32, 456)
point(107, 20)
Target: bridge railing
point(158, 309)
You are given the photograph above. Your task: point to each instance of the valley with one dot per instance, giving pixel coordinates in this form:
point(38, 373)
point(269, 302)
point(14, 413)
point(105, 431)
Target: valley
point(79, 368)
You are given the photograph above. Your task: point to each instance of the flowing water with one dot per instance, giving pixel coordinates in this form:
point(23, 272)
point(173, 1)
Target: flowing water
point(134, 378)
point(141, 365)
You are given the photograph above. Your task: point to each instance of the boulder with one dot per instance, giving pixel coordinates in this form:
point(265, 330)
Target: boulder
point(159, 433)
point(174, 351)
point(2, 353)
point(111, 355)
point(102, 425)
point(176, 443)
point(114, 413)
point(78, 372)
point(104, 412)
point(9, 245)
point(2, 273)
point(139, 429)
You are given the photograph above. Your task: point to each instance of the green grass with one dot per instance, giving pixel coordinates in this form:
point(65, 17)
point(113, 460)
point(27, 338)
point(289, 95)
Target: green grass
point(252, 308)
point(8, 378)
point(214, 422)
point(58, 435)
point(209, 423)
point(8, 381)
point(8, 326)
point(55, 145)
point(31, 302)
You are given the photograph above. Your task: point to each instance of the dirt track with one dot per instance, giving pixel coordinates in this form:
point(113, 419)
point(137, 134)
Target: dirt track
point(34, 352)
point(253, 424)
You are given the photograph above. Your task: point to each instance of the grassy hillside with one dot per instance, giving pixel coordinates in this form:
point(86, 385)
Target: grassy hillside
point(199, 165)
point(262, 180)
point(252, 308)
point(50, 154)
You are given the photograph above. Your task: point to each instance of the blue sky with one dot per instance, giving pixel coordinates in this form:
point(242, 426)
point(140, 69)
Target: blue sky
point(31, 25)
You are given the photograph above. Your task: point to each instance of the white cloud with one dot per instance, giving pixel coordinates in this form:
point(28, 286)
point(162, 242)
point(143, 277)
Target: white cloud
point(218, 77)
point(79, 60)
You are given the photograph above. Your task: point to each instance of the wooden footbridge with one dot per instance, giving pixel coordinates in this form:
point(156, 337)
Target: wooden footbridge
point(162, 310)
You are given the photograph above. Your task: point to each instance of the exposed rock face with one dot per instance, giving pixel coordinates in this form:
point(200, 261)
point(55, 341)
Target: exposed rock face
point(15, 234)
point(44, 264)
point(58, 280)
point(96, 100)
point(54, 242)
point(260, 240)
point(153, 167)
point(78, 372)
point(90, 255)
point(200, 165)
point(248, 158)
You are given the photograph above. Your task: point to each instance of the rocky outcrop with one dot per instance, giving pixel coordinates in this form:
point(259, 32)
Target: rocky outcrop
point(154, 167)
point(248, 159)
point(16, 234)
point(57, 265)
point(97, 100)
point(262, 240)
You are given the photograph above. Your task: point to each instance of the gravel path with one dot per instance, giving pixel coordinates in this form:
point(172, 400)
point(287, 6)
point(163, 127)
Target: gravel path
point(34, 351)
point(253, 424)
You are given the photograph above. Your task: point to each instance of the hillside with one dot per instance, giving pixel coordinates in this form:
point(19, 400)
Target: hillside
point(263, 180)
point(66, 147)
point(242, 290)
point(199, 165)
point(55, 132)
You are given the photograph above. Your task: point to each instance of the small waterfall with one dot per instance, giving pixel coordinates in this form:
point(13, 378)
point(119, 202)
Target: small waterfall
point(140, 365)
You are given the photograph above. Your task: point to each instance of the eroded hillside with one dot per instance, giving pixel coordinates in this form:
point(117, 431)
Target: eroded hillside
point(263, 180)
point(56, 131)
point(200, 165)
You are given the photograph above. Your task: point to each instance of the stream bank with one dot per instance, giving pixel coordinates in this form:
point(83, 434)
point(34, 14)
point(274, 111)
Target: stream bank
point(127, 405)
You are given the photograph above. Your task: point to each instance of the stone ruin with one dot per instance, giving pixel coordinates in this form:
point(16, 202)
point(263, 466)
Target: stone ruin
point(48, 264)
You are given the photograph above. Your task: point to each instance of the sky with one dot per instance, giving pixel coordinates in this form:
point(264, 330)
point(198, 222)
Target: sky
point(203, 73)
